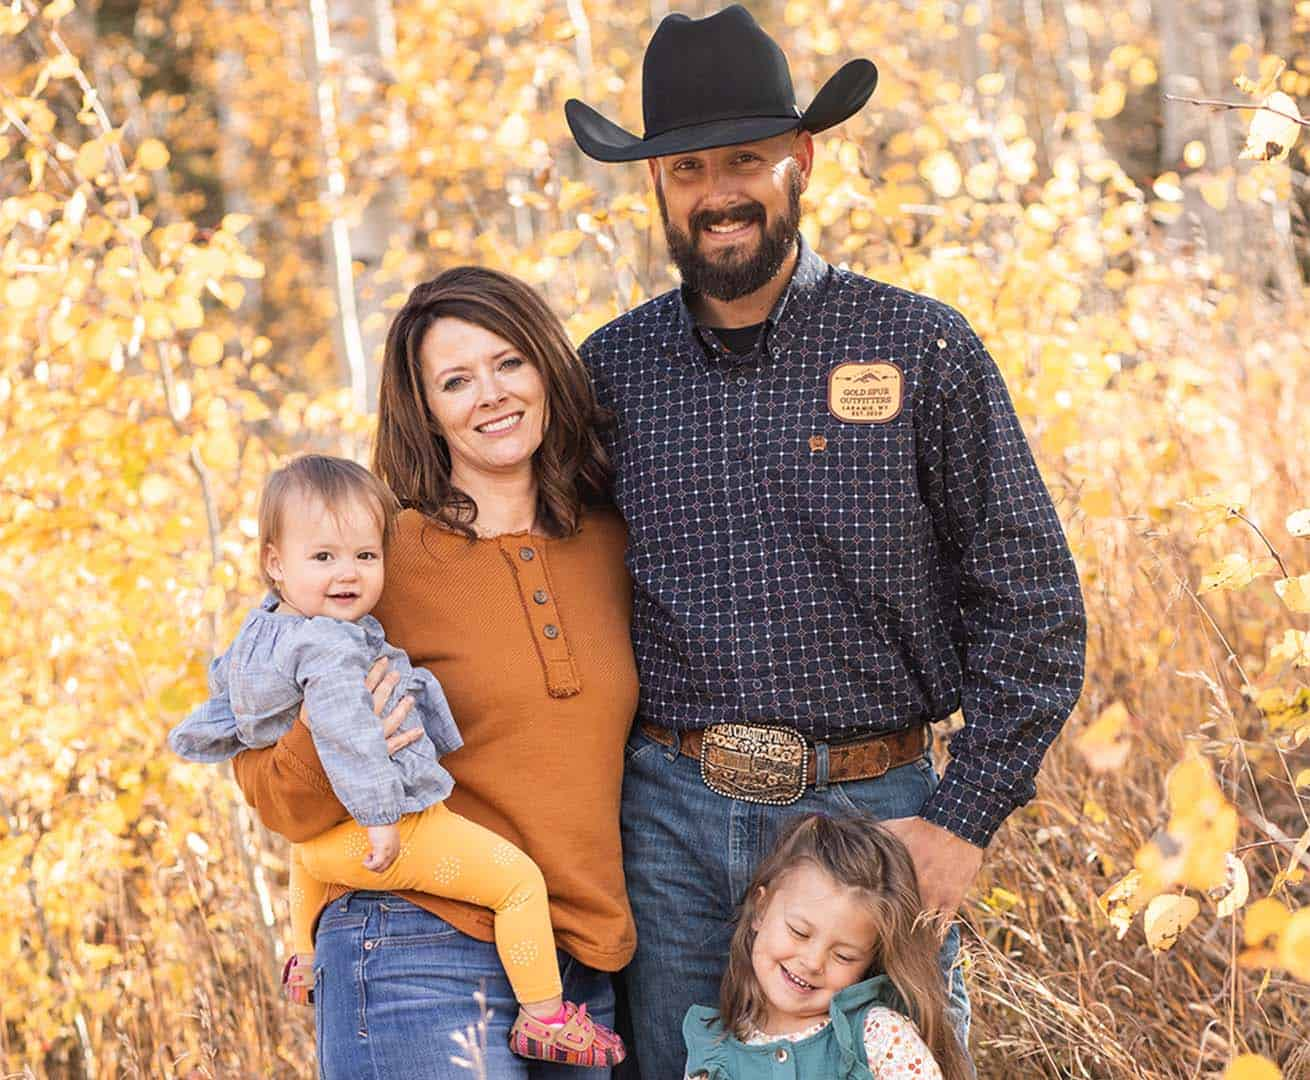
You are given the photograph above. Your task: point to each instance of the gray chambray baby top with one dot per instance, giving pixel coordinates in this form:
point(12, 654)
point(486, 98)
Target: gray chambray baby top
point(277, 661)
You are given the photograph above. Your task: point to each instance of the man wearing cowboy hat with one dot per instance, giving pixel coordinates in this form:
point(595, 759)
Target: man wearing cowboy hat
point(837, 533)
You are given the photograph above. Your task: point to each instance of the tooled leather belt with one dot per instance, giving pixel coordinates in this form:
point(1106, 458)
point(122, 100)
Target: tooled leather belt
point(773, 764)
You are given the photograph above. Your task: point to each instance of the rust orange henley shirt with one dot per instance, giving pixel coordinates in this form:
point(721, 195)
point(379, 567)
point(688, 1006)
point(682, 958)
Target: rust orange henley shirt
point(529, 638)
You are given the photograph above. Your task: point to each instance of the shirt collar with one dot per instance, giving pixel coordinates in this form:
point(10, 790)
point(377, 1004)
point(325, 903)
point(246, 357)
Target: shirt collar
point(796, 301)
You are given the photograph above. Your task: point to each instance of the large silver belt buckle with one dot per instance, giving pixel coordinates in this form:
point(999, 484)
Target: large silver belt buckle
point(754, 763)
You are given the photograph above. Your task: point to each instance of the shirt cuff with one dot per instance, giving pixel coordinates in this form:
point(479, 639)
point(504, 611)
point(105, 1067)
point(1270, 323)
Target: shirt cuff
point(971, 813)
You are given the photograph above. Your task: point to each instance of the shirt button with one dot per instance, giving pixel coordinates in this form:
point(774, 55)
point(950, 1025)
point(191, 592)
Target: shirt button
point(368, 946)
point(527, 554)
point(539, 597)
point(780, 1054)
point(551, 631)
point(741, 380)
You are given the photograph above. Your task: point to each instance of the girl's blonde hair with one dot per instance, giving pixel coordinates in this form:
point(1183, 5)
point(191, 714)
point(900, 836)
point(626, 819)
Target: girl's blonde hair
point(856, 852)
point(334, 481)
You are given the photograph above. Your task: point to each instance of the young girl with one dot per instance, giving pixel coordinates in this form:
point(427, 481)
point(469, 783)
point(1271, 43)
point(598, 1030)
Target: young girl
point(834, 902)
point(323, 527)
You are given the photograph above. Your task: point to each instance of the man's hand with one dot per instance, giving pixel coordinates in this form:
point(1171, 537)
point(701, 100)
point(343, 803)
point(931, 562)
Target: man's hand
point(385, 841)
point(944, 864)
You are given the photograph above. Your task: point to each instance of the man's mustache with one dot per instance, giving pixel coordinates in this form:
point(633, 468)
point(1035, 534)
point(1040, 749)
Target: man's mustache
point(743, 212)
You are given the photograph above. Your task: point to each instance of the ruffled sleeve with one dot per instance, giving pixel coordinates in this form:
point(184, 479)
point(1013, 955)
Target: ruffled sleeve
point(895, 1049)
point(431, 709)
point(209, 732)
point(706, 1054)
point(847, 1011)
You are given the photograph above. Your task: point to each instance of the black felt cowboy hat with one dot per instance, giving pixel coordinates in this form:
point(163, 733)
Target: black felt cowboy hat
point(713, 82)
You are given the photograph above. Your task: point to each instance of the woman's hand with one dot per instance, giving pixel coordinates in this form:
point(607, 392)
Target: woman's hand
point(385, 841)
point(380, 683)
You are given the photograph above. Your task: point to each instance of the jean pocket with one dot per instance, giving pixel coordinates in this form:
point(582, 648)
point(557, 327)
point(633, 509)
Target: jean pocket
point(638, 746)
point(899, 792)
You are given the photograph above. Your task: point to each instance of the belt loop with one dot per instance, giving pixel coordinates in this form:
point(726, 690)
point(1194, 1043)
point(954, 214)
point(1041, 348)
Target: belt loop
point(821, 766)
point(671, 752)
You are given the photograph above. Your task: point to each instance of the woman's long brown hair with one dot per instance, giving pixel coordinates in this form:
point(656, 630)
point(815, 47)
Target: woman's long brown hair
point(411, 454)
point(858, 853)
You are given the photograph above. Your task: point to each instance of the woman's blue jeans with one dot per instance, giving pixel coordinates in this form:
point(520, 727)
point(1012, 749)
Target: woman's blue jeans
point(393, 982)
point(689, 854)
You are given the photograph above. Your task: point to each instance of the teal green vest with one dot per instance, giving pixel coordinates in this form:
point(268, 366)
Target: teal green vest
point(835, 1053)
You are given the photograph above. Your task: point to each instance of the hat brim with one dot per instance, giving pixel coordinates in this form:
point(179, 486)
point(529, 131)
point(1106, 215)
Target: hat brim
point(839, 98)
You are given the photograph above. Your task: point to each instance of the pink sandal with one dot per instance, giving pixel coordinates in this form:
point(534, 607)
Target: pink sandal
point(577, 1041)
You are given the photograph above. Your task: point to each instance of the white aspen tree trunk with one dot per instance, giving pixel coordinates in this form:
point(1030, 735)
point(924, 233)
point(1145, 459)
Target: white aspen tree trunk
point(353, 46)
point(1196, 39)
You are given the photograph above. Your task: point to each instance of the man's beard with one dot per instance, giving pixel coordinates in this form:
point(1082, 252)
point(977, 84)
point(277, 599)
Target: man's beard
point(729, 278)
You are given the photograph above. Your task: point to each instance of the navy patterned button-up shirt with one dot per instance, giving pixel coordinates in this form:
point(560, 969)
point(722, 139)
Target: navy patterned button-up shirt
point(843, 531)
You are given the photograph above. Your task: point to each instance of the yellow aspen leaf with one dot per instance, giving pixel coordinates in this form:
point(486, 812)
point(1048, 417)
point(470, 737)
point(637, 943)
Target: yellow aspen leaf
point(1302, 778)
point(1252, 1067)
point(942, 172)
point(574, 193)
point(1273, 131)
point(1168, 187)
point(186, 313)
point(100, 339)
point(91, 158)
point(12, 21)
point(1264, 919)
point(155, 490)
point(1281, 711)
point(58, 9)
point(220, 450)
point(1298, 523)
point(1219, 506)
point(260, 347)
point(1194, 154)
point(1293, 649)
point(565, 243)
point(1143, 72)
point(22, 292)
point(1122, 901)
point(991, 83)
point(980, 181)
point(1294, 592)
point(1110, 100)
point(234, 223)
point(1294, 945)
point(1292, 872)
point(1104, 743)
point(1230, 896)
point(1233, 571)
point(206, 349)
point(97, 231)
point(151, 154)
point(247, 266)
point(1166, 917)
point(513, 132)
point(1215, 192)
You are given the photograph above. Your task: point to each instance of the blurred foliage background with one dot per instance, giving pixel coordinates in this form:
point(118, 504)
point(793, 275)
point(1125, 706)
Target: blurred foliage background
point(208, 211)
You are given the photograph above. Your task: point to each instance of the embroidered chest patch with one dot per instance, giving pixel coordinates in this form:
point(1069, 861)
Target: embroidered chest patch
point(865, 393)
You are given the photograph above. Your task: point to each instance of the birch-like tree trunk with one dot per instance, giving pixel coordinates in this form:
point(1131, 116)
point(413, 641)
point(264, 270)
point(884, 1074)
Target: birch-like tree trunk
point(353, 46)
point(1196, 40)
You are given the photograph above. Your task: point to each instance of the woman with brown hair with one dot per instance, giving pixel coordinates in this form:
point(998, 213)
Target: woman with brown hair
point(505, 579)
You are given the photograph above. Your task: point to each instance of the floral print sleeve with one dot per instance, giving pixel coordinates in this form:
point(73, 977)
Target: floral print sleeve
point(895, 1049)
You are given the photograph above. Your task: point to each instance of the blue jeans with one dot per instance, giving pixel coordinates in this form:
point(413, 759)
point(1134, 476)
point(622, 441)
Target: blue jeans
point(689, 855)
point(393, 982)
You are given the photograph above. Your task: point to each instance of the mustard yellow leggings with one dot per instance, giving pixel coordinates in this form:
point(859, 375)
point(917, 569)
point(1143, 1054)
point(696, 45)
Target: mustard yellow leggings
point(444, 855)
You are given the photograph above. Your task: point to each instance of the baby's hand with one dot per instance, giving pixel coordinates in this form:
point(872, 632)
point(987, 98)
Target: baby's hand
point(385, 841)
